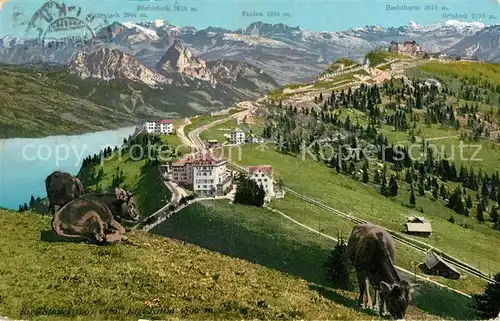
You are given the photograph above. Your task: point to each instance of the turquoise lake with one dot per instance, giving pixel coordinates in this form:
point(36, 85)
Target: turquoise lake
point(25, 163)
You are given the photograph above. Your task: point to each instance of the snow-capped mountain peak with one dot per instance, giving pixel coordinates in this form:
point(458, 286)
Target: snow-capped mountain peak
point(150, 33)
point(160, 23)
point(415, 25)
point(461, 25)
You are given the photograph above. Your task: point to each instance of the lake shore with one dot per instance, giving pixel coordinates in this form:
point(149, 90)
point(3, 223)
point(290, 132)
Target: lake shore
point(26, 162)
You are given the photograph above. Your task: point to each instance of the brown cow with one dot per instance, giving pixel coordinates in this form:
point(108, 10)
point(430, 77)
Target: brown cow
point(371, 249)
point(92, 216)
point(62, 188)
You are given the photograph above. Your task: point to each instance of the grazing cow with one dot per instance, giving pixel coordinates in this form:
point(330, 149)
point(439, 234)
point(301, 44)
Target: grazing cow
point(92, 216)
point(371, 250)
point(62, 188)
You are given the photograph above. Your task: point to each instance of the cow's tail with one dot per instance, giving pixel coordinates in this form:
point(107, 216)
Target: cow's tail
point(56, 226)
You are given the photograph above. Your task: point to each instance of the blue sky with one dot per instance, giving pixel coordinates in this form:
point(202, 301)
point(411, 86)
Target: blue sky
point(318, 15)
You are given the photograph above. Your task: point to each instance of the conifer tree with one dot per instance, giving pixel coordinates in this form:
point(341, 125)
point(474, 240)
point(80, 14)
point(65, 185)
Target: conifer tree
point(480, 210)
point(376, 177)
point(393, 185)
point(488, 303)
point(339, 269)
point(468, 202)
point(366, 177)
point(32, 201)
point(409, 176)
point(412, 197)
point(495, 217)
point(383, 186)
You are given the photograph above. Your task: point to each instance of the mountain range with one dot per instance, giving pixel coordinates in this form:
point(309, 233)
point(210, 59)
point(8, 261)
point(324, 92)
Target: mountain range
point(288, 54)
point(107, 88)
point(155, 69)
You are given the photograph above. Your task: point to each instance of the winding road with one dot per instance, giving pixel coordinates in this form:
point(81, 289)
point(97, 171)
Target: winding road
point(194, 135)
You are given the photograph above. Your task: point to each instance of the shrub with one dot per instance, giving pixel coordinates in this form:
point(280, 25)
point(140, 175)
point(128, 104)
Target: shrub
point(339, 270)
point(248, 192)
point(488, 303)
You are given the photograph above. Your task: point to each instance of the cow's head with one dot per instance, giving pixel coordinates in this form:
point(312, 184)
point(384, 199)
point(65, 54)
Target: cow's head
point(128, 208)
point(397, 297)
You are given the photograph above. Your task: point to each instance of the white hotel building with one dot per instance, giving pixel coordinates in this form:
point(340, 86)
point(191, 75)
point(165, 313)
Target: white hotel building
point(159, 126)
point(204, 173)
point(237, 136)
point(263, 176)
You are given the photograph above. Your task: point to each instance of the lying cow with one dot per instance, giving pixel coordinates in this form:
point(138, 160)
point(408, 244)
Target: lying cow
point(62, 188)
point(92, 216)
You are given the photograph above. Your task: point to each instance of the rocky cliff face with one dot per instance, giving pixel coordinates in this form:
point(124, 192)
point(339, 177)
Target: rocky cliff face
point(181, 61)
point(113, 64)
point(180, 82)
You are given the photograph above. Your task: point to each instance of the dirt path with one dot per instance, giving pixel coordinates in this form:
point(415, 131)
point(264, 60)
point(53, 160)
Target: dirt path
point(182, 136)
point(429, 139)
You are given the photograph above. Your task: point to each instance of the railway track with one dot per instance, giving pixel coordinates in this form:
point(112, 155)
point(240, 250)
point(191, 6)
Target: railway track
point(417, 245)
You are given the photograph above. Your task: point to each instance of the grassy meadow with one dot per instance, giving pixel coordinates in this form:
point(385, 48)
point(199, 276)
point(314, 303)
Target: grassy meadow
point(203, 120)
point(463, 69)
point(379, 57)
point(333, 225)
point(217, 132)
point(268, 239)
point(314, 179)
point(147, 277)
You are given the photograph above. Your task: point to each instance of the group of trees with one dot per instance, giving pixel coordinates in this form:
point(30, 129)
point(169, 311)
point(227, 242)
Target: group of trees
point(32, 203)
point(248, 192)
point(143, 146)
point(118, 178)
point(487, 304)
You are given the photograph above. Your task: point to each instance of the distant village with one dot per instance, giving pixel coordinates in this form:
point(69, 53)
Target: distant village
point(411, 47)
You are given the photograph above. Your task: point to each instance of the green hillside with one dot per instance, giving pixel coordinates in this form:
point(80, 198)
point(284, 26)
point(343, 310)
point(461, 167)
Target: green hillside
point(51, 101)
point(35, 104)
point(379, 57)
point(455, 189)
point(266, 238)
point(339, 63)
point(148, 277)
point(135, 173)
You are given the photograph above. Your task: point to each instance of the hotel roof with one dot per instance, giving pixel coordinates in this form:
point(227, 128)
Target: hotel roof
point(161, 121)
point(206, 159)
point(263, 168)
